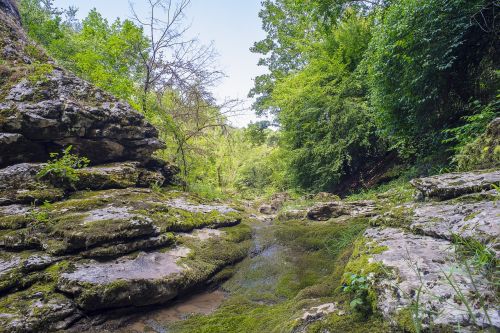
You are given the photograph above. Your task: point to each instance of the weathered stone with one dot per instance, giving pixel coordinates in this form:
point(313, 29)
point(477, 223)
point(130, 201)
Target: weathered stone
point(267, 209)
point(417, 267)
point(15, 269)
point(147, 279)
point(119, 249)
point(452, 185)
point(203, 234)
point(122, 220)
point(184, 204)
point(21, 239)
point(333, 209)
point(152, 278)
point(44, 113)
point(14, 216)
point(326, 196)
point(9, 7)
point(15, 147)
point(36, 310)
point(18, 184)
point(292, 214)
point(323, 212)
point(117, 175)
point(316, 312)
point(478, 221)
point(276, 202)
point(98, 226)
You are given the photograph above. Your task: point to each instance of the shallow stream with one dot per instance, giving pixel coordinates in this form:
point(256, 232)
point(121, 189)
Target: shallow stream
point(285, 260)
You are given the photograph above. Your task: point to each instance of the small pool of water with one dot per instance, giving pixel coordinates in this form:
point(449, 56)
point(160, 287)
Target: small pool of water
point(154, 320)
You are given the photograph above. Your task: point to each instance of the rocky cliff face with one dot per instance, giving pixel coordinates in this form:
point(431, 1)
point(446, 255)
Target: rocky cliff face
point(44, 108)
point(111, 237)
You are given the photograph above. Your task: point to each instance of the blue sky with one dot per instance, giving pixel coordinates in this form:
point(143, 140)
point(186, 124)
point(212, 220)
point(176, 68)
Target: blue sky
point(233, 26)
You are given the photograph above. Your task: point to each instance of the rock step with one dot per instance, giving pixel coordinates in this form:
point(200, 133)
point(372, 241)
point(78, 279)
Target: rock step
point(478, 221)
point(326, 210)
point(453, 185)
point(420, 263)
point(19, 183)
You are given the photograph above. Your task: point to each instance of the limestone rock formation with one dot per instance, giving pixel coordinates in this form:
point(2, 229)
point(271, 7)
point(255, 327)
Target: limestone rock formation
point(453, 185)
point(327, 210)
point(276, 202)
point(43, 108)
point(78, 252)
point(438, 257)
point(428, 267)
point(20, 183)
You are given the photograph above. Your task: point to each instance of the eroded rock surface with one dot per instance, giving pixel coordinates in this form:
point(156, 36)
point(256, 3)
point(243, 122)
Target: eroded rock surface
point(478, 221)
point(37, 310)
point(149, 278)
point(64, 110)
point(452, 185)
point(108, 225)
point(438, 257)
point(106, 240)
point(426, 270)
point(332, 209)
point(44, 108)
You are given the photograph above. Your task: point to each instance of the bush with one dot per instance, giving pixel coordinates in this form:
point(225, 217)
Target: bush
point(63, 167)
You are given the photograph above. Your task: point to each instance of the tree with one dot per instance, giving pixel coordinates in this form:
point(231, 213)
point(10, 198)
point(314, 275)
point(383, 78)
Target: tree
point(107, 54)
point(172, 62)
point(429, 60)
point(293, 27)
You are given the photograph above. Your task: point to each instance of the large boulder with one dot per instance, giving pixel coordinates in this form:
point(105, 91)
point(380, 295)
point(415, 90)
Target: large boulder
point(44, 108)
point(63, 110)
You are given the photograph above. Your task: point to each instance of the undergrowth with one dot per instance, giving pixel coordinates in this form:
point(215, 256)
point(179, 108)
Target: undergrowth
point(62, 167)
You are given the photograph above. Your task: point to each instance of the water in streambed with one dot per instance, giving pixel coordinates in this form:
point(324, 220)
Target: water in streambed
point(287, 258)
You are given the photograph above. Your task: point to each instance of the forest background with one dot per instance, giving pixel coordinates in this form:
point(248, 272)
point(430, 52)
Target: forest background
point(358, 92)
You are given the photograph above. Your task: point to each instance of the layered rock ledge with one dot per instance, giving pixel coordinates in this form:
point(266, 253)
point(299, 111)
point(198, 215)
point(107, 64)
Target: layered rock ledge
point(435, 264)
point(106, 249)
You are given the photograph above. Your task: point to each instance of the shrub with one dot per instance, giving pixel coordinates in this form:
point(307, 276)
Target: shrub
point(63, 167)
point(358, 285)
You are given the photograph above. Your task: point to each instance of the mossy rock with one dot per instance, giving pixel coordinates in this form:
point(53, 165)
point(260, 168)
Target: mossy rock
point(38, 309)
point(149, 278)
point(112, 217)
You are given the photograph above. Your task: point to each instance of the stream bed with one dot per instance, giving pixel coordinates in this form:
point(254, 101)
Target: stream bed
point(286, 259)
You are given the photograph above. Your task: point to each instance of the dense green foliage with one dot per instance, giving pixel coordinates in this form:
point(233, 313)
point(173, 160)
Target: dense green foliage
point(352, 80)
point(103, 53)
point(431, 64)
point(351, 85)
